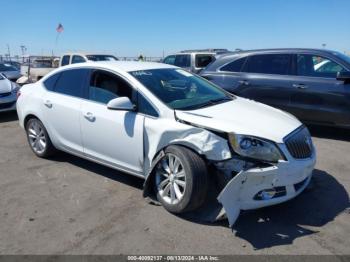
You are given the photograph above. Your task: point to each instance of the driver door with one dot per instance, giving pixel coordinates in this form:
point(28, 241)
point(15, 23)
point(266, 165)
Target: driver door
point(113, 137)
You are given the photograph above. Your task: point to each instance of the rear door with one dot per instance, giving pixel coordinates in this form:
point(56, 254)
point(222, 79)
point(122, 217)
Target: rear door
point(318, 97)
point(266, 78)
point(62, 105)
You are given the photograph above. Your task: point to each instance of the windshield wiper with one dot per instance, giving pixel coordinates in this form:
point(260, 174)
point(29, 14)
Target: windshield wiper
point(210, 102)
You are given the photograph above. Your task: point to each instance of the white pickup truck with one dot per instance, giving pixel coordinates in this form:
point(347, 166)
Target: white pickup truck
point(73, 58)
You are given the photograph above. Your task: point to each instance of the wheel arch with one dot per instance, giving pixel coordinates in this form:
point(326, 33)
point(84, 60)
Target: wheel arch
point(147, 186)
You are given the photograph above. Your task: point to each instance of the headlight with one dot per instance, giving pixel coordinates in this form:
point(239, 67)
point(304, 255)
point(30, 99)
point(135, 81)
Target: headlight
point(256, 148)
point(15, 87)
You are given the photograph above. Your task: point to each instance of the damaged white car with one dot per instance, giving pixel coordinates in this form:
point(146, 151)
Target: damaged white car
point(174, 129)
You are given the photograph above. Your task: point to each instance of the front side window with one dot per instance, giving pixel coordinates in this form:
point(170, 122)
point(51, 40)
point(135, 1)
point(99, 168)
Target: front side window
point(183, 60)
point(234, 66)
point(70, 82)
point(143, 106)
point(77, 59)
point(170, 60)
point(317, 66)
point(179, 89)
point(203, 60)
point(65, 60)
point(276, 64)
point(105, 86)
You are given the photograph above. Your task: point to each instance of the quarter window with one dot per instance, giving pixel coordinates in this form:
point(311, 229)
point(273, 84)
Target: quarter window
point(71, 82)
point(203, 60)
point(105, 86)
point(269, 64)
point(317, 66)
point(51, 82)
point(77, 59)
point(234, 66)
point(65, 60)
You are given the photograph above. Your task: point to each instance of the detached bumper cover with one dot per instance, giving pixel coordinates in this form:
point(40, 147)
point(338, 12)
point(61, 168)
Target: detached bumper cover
point(246, 190)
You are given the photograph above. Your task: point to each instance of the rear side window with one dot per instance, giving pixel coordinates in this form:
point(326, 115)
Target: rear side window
point(183, 60)
point(71, 82)
point(51, 82)
point(77, 59)
point(234, 66)
point(203, 60)
point(65, 60)
point(278, 64)
point(170, 60)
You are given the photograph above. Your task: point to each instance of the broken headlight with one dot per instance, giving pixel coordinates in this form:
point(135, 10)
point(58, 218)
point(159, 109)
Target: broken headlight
point(255, 148)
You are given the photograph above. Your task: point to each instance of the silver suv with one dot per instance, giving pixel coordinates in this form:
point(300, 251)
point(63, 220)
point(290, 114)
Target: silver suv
point(193, 60)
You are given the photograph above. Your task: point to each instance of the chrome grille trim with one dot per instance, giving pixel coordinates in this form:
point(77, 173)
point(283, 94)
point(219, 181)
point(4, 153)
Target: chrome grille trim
point(299, 143)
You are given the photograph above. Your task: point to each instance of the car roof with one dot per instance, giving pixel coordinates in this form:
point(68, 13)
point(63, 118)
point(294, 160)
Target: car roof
point(126, 66)
point(85, 53)
point(275, 50)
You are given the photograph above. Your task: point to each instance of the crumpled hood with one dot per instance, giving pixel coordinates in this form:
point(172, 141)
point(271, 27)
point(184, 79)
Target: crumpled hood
point(5, 86)
point(243, 116)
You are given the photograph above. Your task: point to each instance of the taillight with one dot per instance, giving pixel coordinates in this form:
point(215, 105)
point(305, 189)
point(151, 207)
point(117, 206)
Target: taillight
point(18, 93)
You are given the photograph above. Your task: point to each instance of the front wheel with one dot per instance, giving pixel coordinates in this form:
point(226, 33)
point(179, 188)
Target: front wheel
point(181, 180)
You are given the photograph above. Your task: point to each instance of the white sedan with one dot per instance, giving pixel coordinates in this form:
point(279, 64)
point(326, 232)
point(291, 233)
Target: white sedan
point(172, 128)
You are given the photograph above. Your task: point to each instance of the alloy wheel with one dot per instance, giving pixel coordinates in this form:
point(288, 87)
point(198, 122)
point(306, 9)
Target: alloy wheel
point(37, 137)
point(171, 179)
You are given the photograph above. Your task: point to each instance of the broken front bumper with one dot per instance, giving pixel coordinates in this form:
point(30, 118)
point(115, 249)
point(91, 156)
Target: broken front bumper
point(259, 187)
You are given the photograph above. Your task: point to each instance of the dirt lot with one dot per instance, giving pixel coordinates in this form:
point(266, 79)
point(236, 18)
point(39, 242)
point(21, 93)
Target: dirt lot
point(67, 205)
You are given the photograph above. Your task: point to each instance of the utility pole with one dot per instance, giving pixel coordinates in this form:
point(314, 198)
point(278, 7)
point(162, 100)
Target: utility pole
point(23, 49)
point(8, 51)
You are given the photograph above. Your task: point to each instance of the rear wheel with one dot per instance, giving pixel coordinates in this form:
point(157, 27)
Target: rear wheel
point(181, 180)
point(39, 139)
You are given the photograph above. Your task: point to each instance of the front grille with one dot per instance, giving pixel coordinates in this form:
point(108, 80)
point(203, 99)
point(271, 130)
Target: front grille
point(6, 105)
point(5, 94)
point(299, 143)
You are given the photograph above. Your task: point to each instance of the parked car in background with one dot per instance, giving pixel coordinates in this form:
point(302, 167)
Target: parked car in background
point(169, 126)
point(74, 58)
point(312, 84)
point(8, 94)
point(193, 60)
point(37, 67)
point(13, 63)
point(10, 71)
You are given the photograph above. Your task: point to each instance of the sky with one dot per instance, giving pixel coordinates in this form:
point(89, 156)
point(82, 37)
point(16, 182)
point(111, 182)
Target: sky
point(154, 27)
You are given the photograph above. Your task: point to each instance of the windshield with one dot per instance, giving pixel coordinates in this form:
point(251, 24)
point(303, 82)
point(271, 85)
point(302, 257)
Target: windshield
point(7, 67)
point(343, 56)
point(180, 89)
point(101, 58)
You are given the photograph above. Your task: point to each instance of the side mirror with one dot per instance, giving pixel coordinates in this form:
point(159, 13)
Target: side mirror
point(121, 103)
point(344, 76)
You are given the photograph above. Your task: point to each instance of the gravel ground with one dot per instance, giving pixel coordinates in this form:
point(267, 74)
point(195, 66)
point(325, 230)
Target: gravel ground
point(67, 205)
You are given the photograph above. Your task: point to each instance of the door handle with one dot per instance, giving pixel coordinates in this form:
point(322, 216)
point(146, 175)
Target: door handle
point(244, 82)
point(48, 103)
point(89, 116)
point(300, 86)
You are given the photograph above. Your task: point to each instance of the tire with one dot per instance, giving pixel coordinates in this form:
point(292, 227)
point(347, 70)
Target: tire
point(182, 186)
point(38, 138)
